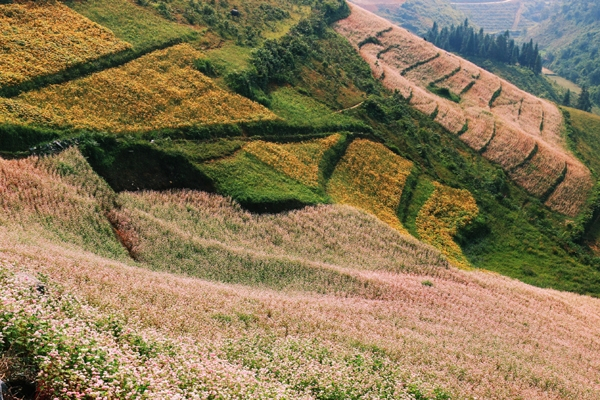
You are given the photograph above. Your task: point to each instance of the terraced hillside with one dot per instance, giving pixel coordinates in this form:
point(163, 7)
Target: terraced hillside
point(506, 125)
point(416, 15)
point(353, 309)
point(497, 16)
point(251, 214)
point(157, 91)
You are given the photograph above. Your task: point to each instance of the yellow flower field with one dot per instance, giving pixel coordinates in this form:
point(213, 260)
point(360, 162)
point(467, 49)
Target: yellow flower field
point(444, 213)
point(299, 161)
point(44, 39)
point(160, 90)
point(372, 178)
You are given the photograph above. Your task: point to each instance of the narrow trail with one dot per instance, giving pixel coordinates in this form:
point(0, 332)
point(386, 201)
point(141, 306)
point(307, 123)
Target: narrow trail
point(350, 108)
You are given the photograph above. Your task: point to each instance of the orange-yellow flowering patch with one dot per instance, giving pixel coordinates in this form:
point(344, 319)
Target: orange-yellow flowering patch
point(299, 161)
point(444, 213)
point(160, 90)
point(371, 177)
point(39, 40)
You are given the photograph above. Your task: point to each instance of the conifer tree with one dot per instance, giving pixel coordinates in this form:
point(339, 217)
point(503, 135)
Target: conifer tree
point(566, 101)
point(584, 103)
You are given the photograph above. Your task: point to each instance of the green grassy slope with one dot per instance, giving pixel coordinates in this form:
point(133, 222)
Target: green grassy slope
point(132, 23)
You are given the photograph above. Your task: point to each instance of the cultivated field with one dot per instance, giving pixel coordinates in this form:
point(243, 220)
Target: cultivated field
point(371, 177)
point(415, 329)
point(445, 212)
point(299, 161)
point(158, 91)
point(492, 116)
point(43, 39)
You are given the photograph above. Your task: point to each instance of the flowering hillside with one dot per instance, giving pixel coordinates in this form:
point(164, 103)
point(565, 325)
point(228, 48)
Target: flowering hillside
point(43, 39)
point(299, 161)
point(524, 132)
point(371, 177)
point(402, 324)
point(158, 91)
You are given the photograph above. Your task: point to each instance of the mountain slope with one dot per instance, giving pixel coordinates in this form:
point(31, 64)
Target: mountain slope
point(519, 132)
point(428, 330)
point(569, 35)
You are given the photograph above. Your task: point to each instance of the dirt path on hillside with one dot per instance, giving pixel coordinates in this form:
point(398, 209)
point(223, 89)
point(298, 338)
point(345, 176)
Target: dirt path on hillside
point(351, 108)
point(518, 16)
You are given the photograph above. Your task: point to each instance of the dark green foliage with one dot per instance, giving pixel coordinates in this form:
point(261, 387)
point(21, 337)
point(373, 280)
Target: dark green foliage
point(583, 102)
point(566, 100)
point(19, 138)
point(206, 67)
point(370, 39)
point(444, 92)
point(464, 40)
point(139, 165)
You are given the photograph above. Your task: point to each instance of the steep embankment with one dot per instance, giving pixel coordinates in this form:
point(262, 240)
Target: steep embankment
point(506, 125)
point(408, 326)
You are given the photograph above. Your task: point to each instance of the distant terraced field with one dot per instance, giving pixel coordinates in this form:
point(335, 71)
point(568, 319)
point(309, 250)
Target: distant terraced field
point(506, 125)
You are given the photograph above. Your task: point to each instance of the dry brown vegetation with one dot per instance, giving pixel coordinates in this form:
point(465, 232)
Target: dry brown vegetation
point(474, 334)
point(517, 124)
point(157, 91)
point(43, 39)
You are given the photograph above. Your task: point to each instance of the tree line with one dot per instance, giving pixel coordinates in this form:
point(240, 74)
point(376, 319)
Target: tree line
point(464, 40)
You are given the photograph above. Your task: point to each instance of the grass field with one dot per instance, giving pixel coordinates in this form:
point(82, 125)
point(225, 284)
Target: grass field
point(39, 40)
point(370, 326)
point(299, 161)
point(257, 186)
point(141, 27)
point(158, 91)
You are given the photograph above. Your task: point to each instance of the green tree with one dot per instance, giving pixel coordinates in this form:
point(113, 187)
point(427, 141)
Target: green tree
point(584, 103)
point(566, 101)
